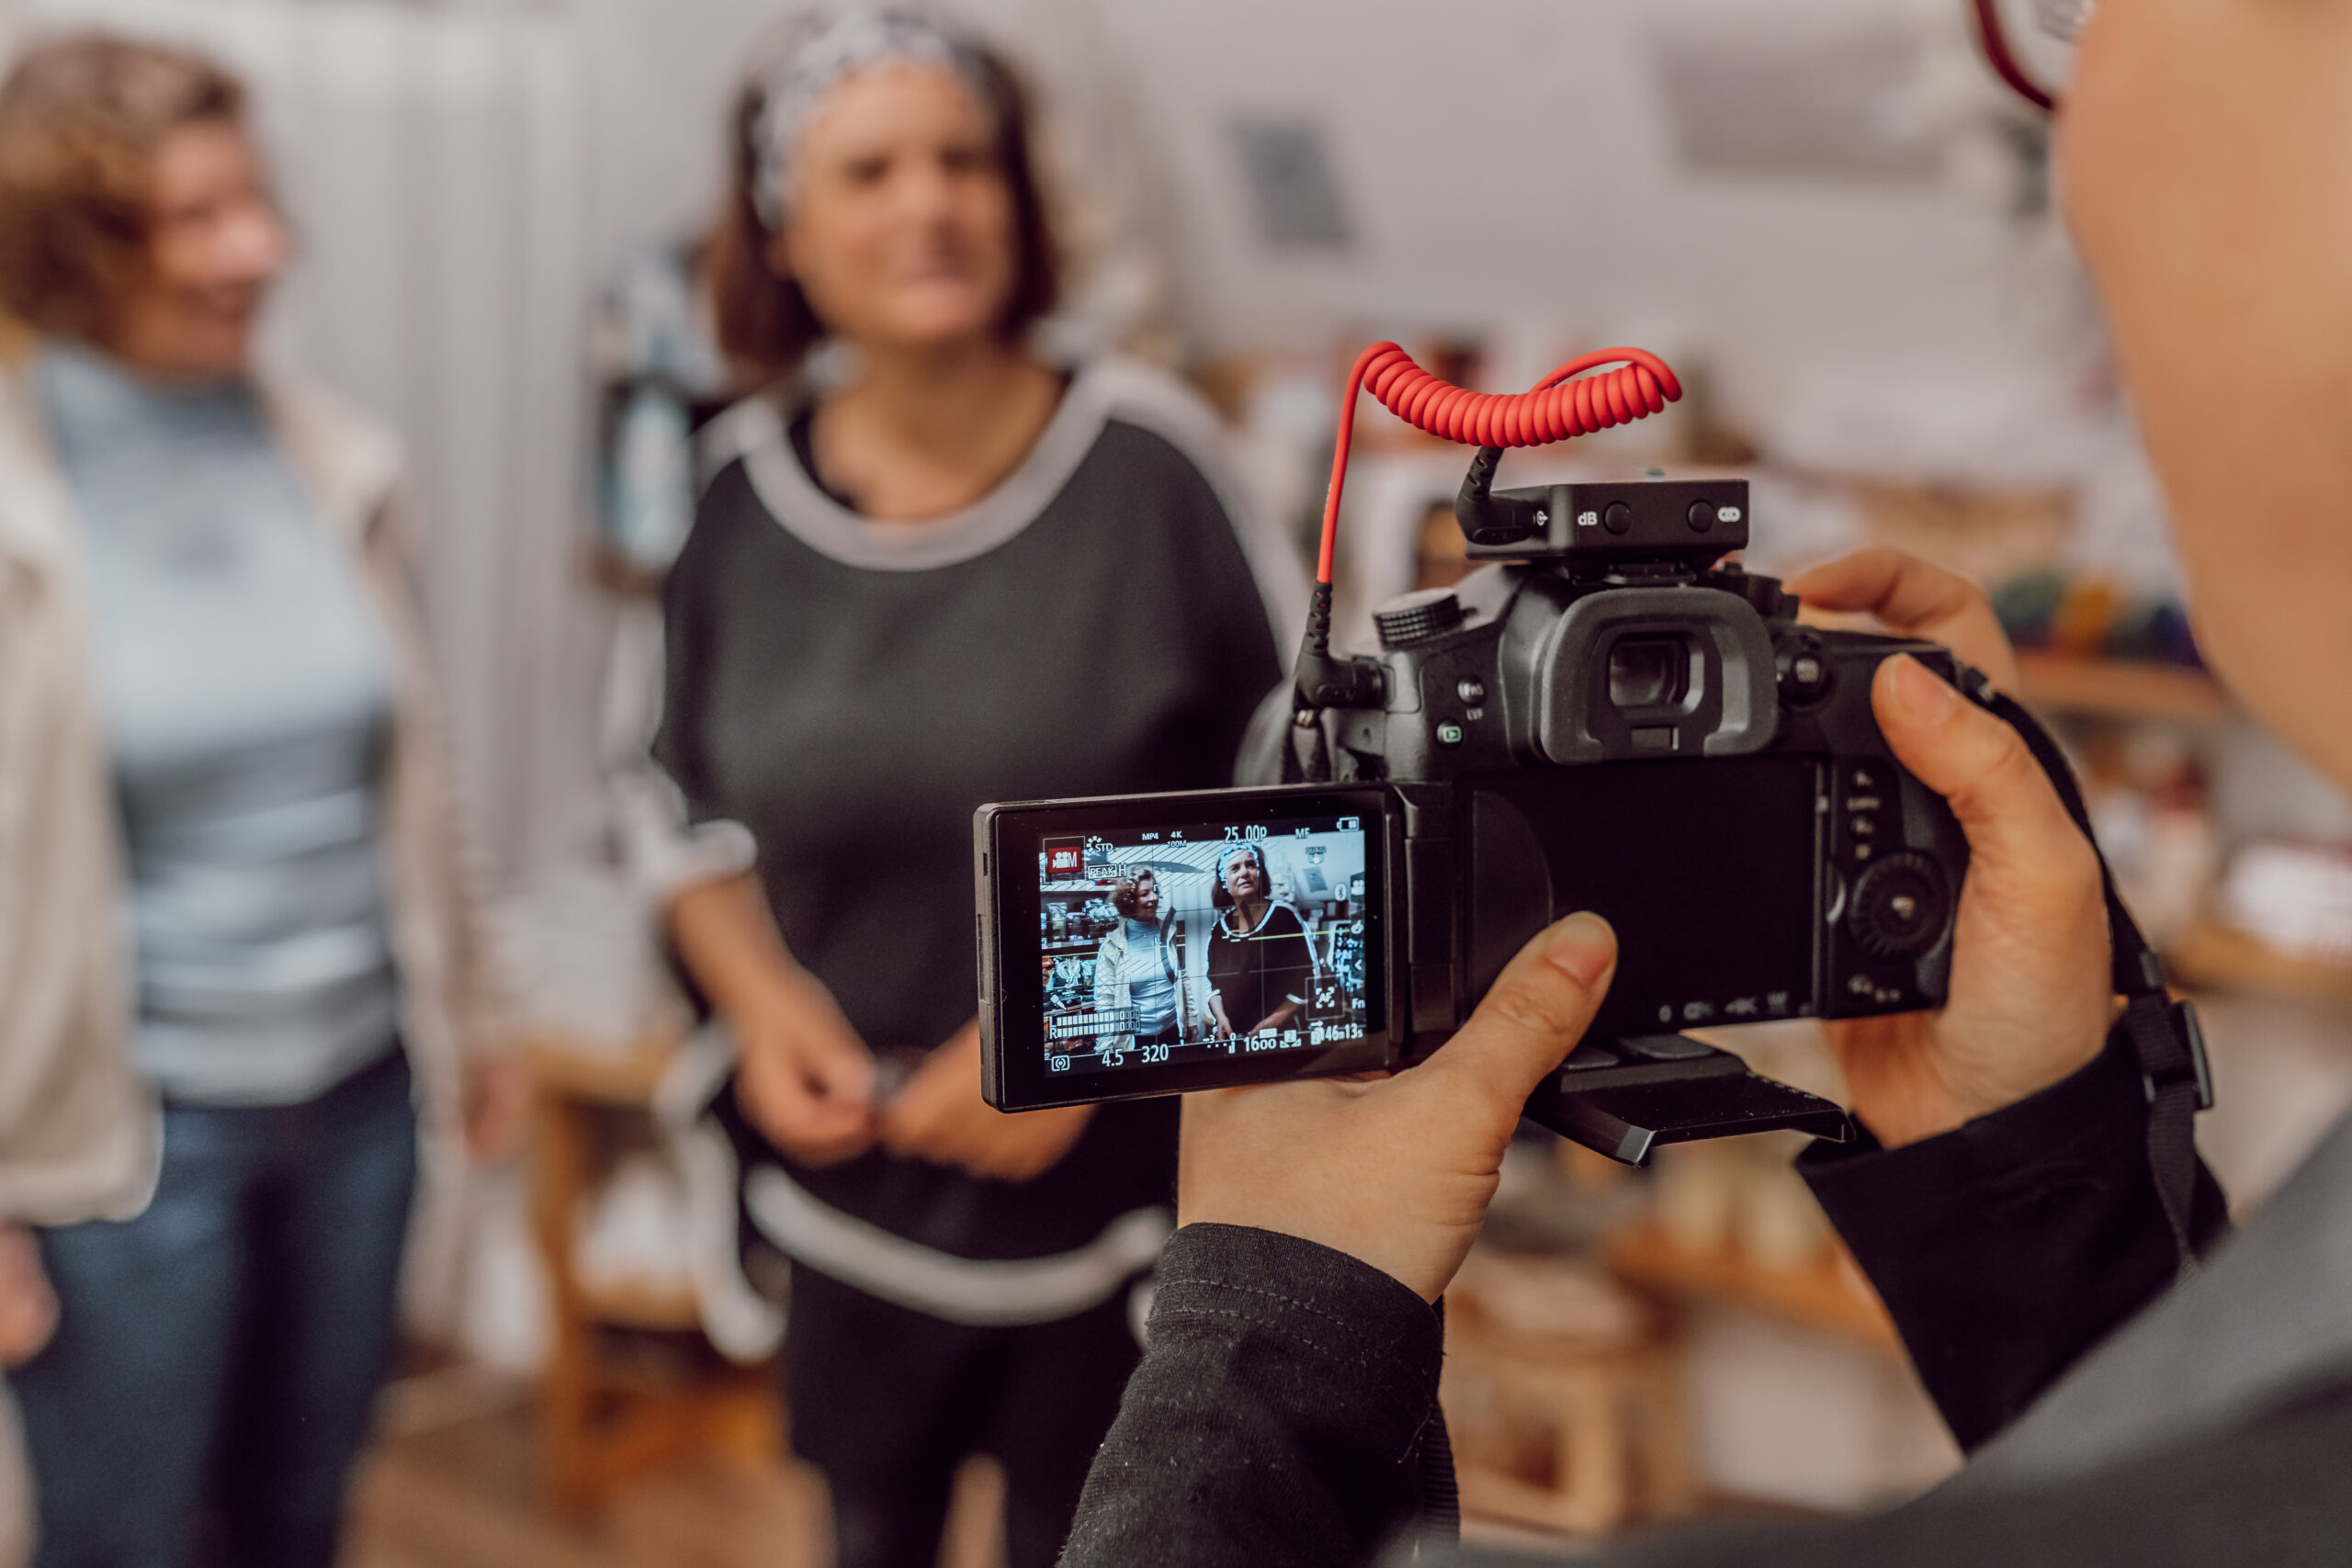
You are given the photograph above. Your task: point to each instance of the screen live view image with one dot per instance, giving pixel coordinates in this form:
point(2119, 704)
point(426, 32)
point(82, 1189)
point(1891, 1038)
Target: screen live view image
point(1176, 943)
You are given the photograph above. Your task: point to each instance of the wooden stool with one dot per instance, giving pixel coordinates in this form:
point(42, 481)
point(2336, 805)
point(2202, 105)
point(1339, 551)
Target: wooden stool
point(1562, 1399)
point(632, 1386)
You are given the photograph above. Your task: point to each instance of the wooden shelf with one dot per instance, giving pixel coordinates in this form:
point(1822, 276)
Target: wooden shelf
point(2117, 689)
point(2213, 956)
point(1830, 1295)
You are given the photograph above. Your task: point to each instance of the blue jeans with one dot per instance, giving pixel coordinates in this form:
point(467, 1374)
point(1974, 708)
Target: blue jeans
point(217, 1358)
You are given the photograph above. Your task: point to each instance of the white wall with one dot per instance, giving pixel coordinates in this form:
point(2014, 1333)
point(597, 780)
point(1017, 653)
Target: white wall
point(434, 162)
point(1510, 164)
point(463, 174)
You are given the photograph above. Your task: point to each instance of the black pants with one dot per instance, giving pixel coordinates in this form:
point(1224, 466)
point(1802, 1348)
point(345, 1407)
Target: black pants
point(887, 1402)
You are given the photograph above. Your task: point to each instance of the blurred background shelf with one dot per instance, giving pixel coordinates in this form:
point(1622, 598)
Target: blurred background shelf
point(2213, 956)
point(1829, 1294)
point(2117, 689)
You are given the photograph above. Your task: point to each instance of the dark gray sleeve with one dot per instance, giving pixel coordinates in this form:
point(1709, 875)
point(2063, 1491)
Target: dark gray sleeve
point(2006, 1248)
point(1278, 1416)
point(659, 788)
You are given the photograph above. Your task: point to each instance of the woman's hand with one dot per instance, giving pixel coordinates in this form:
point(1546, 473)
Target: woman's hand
point(1398, 1170)
point(806, 1080)
point(27, 1305)
point(940, 1117)
point(2030, 996)
point(496, 1094)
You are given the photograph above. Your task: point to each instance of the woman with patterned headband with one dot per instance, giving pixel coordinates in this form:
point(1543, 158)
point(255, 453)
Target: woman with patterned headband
point(946, 570)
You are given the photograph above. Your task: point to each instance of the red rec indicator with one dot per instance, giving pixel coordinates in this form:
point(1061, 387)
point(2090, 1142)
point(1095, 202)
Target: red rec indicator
point(1065, 857)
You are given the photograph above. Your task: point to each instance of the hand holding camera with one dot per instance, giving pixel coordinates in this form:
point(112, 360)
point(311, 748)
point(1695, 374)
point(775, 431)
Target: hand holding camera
point(1397, 1170)
point(2030, 1000)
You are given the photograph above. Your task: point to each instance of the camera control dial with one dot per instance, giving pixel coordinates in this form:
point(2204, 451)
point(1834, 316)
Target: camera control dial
point(1899, 906)
point(1412, 619)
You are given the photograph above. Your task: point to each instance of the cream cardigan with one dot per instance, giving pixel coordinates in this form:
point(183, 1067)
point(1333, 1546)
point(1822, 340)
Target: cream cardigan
point(80, 1134)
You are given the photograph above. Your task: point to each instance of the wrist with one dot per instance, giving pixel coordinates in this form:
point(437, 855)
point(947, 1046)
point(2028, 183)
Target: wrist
point(1375, 1246)
point(773, 997)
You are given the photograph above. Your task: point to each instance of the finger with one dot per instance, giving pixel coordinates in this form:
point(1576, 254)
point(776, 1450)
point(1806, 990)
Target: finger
point(1531, 1017)
point(836, 1064)
point(815, 1149)
point(796, 1118)
point(1914, 598)
point(1024, 1149)
point(2005, 803)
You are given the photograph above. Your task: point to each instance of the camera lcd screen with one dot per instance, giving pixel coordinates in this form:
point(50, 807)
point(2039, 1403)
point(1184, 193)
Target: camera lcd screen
point(1171, 941)
point(1705, 869)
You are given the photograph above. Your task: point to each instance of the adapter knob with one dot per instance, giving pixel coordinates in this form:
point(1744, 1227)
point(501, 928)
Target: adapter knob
point(1414, 618)
point(1899, 906)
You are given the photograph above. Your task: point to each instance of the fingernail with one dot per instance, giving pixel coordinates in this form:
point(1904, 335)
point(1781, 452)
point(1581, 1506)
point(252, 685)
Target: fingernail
point(1922, 698)
point(1585, 947)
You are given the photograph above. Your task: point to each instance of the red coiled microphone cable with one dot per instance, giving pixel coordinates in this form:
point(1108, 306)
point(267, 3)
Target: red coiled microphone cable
point(1555, 408)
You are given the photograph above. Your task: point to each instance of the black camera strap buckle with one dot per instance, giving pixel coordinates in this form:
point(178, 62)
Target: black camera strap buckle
point(2170, 1044)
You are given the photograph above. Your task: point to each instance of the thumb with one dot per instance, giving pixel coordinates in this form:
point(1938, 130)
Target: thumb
point(2002, 798)
point(1531, 1017)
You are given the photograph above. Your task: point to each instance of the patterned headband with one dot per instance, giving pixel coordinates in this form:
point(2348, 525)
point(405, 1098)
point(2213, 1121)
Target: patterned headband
point(816, 58)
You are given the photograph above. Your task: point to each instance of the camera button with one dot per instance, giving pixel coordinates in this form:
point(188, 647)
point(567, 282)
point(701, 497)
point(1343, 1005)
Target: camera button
point(1618, 518)
point(1701, 516)
point(1470, 690)
point(1900, 909)
point(1672, 1047)
point(1449, 733)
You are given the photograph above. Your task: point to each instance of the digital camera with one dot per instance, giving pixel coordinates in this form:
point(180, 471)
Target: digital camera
point(1604, 715)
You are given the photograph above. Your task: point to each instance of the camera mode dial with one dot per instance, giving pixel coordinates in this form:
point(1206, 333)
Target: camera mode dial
point(1899, 906)
point(1413, 618)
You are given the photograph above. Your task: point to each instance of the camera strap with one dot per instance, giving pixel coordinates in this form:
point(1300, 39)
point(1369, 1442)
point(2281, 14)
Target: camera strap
point(2163, 1032)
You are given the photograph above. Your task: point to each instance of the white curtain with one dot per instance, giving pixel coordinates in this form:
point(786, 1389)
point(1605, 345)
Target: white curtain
point(434, 163)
